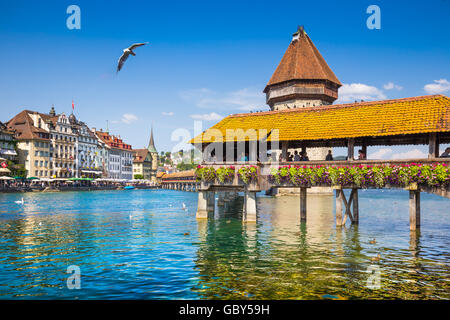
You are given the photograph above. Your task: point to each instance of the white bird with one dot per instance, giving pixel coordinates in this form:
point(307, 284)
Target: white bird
point(184, 206)
point(19, 201)
point(127, 52)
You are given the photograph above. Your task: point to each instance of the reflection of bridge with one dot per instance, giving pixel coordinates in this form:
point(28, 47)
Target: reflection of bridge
point(184, 180)
point(345, 208)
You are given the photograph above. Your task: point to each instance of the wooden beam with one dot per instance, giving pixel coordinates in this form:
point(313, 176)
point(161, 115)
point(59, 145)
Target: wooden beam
point(355, 207)
point(351, 149)
point(284, 147)
point(302, 204)
point(414, 210)
point(433, 146)
point(339, 194)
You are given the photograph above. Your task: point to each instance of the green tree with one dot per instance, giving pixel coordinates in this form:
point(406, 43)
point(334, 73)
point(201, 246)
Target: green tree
point(185, 166)
point(138, 176)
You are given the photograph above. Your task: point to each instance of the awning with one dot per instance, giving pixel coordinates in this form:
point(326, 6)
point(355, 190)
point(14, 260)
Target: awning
point(8, 152)
point(92, 171)
point(5, 170)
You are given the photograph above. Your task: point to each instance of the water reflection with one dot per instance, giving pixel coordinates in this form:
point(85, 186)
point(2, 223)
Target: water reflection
point(281, 258)
point(141, 245)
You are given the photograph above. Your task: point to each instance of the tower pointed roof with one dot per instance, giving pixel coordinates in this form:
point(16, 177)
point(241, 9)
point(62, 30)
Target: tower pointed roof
point(302, 61)
point(151, 144)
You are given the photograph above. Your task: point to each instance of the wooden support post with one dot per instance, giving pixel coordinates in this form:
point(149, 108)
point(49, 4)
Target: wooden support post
point(355, 205)
point(364, 148)
point(351, 149)
point(302, 204)
point(433, 146)
point(284, 147)
point(339, 194)
point(414, 210)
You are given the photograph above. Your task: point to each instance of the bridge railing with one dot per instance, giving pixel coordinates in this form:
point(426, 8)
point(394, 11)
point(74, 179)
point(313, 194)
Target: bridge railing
point(264, 169)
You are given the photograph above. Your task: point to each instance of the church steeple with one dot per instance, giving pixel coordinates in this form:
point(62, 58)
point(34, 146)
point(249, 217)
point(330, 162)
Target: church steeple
point(303, 78)
point(151, 145)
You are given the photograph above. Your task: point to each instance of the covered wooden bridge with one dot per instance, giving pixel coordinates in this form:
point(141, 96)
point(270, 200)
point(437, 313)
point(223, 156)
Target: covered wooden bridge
point(183, 180)
point(421, 120)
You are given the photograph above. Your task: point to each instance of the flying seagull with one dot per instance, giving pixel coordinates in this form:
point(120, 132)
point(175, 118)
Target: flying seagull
point(127, 52)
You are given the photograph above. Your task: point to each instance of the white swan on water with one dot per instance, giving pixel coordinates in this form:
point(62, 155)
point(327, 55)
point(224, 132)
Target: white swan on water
point(184, 206)
point(19, 201)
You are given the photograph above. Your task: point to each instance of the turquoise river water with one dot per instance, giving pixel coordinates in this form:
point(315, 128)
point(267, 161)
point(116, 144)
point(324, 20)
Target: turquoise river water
point(141, 244)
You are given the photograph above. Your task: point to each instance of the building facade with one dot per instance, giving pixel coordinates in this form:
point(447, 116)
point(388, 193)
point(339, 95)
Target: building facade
point(120, 156)
point(7, 143)
point(88, 146)
point(59, 146)
point(145, 161)
point(33, 144)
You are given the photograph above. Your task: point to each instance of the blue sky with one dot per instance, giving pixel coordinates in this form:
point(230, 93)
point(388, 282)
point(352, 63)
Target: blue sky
point(207, 59)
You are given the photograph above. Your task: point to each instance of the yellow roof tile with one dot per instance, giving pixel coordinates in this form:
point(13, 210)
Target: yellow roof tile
point(364, 119)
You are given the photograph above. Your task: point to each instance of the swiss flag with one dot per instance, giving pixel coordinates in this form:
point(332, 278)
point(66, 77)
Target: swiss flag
point(4, 165)
point(73, 106)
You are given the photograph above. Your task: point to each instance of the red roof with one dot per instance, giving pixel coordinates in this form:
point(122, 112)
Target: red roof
point(302, 61)
point(113, 141)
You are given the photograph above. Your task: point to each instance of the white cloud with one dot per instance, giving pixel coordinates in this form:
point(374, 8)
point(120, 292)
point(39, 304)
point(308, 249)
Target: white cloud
point(129, 118)
point(439, 86)
point(412, 154)
point(388, 153)
point(245, 99)
point(207, 117)
point(169, 114)
point(391, 85)
point(359, 91)
point(380, 154)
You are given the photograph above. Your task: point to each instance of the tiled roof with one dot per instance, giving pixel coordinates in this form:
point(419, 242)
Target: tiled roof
point(24, 128)
point(302, 61)
point(364, 119)
point(160, 174)
point(113, 141)
point(139, 155)
point(181, 174)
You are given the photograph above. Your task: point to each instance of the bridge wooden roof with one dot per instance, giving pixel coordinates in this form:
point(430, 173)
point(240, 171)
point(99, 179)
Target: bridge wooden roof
point(177, 175)
point(409, 116)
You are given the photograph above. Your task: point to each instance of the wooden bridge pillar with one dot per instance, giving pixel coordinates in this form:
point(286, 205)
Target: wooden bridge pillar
point(249, 210)
point(355, 205)
point(302, 204)
point(339, 194)
point(414, 210)
point(352, 203)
